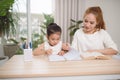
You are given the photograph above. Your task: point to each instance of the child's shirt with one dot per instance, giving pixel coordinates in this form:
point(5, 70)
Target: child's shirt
point(55, 49)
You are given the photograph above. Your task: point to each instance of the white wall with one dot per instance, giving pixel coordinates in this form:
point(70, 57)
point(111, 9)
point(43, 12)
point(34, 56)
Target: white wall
point(111, 14)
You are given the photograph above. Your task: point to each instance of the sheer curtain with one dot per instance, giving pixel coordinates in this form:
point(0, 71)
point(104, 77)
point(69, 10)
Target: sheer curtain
point(64, 10)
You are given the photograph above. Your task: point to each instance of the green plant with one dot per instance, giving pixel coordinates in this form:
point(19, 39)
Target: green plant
point(14, 41)
point(7, 18)
point(19, 50)
point(48, 18)
point(39, 40)
point(75, 25)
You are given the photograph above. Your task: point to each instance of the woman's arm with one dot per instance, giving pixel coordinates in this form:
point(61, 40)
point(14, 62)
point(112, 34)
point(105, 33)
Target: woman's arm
point(110, 48)
point(107, 51)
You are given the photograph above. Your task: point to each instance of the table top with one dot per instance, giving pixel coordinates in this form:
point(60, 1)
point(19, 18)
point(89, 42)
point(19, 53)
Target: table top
point(16, 67)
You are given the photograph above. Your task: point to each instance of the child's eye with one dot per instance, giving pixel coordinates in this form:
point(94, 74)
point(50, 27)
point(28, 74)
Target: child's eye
point(58, 39)
point(53, 39)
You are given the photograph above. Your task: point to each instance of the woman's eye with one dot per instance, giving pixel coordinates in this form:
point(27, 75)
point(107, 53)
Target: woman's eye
point(91, 22)
point(86, 21)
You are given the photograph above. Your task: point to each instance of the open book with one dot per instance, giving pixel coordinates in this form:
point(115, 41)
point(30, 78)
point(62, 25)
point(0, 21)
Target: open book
point(94, 56)
point(70, 55)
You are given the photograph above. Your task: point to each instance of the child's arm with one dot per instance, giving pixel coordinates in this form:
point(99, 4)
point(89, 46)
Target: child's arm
point(39, 50)
point(65, 48)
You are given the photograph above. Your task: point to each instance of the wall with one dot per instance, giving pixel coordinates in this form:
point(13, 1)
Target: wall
point(111, 14)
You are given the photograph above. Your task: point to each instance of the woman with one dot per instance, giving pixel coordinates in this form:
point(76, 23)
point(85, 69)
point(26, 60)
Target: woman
point(93, 36)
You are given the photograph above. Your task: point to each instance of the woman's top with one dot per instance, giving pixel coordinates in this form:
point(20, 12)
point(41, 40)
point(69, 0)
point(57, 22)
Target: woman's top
point(55, 49)
point(98, 40)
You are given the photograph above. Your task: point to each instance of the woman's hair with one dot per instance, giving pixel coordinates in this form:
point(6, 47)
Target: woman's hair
point(53, 28)
point(99, 16)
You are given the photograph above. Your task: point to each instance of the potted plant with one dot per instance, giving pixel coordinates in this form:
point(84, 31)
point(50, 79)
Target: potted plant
point(7, 19)
point(7, 23)
point(19, 45)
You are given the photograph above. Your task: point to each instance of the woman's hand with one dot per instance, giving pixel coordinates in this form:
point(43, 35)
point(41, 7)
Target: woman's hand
point(107, 51)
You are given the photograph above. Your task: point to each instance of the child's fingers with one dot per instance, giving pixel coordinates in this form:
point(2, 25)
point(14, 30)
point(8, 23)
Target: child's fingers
point(66, 46)
point(61, 53)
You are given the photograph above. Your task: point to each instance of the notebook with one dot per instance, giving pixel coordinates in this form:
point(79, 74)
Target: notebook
point(72, 54)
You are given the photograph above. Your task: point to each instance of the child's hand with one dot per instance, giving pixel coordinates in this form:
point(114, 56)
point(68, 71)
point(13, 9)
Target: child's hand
point(61, 53)
point(49, 51)
point(66, 46)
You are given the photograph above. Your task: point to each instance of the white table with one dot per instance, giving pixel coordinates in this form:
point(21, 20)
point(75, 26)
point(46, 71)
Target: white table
point(42, 69)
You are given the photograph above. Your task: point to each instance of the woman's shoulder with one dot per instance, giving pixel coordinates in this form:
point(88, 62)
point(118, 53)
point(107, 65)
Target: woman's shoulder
point(102, 31)
point(79, 31)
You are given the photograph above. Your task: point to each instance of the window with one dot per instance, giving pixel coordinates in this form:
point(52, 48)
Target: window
point(37, 8)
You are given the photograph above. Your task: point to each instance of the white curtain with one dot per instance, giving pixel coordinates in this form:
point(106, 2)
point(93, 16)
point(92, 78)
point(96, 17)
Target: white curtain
point(64, 10)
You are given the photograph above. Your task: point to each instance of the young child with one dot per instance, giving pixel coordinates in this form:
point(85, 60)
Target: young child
point(53, 45)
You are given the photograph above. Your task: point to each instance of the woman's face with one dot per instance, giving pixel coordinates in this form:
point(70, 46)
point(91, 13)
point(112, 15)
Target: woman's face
point(89, 23)
point(54, 39)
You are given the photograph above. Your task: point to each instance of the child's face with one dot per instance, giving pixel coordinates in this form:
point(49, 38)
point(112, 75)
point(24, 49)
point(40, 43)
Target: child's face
point(54, 39)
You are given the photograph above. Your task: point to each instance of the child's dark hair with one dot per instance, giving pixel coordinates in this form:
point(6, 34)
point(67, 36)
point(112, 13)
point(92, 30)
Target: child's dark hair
point(53, 28)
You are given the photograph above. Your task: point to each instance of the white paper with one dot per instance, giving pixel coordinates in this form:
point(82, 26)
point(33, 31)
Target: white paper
point(71, 55)
point(28, 55)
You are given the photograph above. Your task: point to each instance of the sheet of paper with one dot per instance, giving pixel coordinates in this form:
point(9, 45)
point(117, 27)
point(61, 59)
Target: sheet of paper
point(71, 55)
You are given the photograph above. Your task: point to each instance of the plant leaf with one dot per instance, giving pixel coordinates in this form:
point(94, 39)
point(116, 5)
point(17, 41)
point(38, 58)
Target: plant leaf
point(72, 20)
point(71, 27)
point(80, 21)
